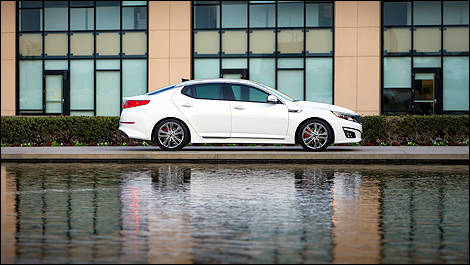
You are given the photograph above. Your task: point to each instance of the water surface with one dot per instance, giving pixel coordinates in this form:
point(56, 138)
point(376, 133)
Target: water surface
point(233, 213)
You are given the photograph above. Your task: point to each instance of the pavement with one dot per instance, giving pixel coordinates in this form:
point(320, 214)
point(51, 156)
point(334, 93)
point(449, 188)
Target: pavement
point(255, 154)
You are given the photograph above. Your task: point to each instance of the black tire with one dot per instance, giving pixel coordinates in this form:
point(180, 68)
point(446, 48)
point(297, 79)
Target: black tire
point(167, 135)
point(317, 137)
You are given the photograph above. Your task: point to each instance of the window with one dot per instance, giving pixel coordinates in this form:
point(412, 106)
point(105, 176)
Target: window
point(245, 93)
point(104, 59)
point(257, 34)
point(208, 91)
point(425, 34)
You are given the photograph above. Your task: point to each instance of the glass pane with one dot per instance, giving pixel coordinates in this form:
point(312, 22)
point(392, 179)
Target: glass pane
point(290, 63)
point(108, 98)
point(397, 100)
point(81, 19)
point(234, 42)
point(291, 82)
point(56, 65)
point(81, 84)
point(206, 68)
point(209, 91)
point(56, 15)
point(319, 41)
point(234, 14)
point(134, 43)
point(206, 17)
point(319, 15)
point(56, 44)
point(290, 14)
point(263, 70)
point(134, 3)
point(30, 44)
point(427, 12)
point(81, 44)
point(290, 41)
point(107, 15)
point(107, 64)
point(396, 13)
point(30, 20)
point(234, 64)
point(455, 12)
point(250, 94)
point(262, 16)
point(426, 62)
point(456, 39)
point(427, 40)
point(206, 42)
point(26, 4)
point(30, 85)
point(81, 3)
point(397, 40)
point(107, 43)
point(134, 18)
point(262, 42)
point(397, 72)
point(54, 93)
point(82, 113)
point(134, 77)
point(319, 80)
point(455, 88)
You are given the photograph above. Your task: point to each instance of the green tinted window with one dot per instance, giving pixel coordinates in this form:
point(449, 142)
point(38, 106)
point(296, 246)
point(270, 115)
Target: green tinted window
point(209, 91)
point(246, 93)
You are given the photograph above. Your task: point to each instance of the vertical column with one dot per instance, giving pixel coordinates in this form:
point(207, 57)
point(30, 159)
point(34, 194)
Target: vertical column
point(8, 75)
point(357, 56)
point(169, 42)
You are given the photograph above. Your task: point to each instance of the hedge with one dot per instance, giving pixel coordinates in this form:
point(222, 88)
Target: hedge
point(378, 130)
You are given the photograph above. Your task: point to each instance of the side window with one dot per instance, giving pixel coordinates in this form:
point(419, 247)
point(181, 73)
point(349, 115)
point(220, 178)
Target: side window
point(188, 91)
point(208, 91)
point(247, 93)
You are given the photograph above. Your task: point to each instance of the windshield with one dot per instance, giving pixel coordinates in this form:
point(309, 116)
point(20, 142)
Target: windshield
point(276, 92)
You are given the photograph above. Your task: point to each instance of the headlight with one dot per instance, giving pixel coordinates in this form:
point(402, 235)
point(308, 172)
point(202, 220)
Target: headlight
point(346, 116)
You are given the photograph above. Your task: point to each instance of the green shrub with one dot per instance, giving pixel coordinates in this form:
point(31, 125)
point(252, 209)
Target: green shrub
point(378, 130)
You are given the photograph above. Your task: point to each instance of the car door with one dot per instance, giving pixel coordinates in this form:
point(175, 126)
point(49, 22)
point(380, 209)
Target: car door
point(205, 109)
point(253, 116)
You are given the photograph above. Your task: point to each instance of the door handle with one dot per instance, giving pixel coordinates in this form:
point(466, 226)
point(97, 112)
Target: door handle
point(187, 105)
point(239, 108)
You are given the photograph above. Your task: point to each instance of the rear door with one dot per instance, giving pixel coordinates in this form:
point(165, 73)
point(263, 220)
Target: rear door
point(253, 116)
point(205, 109)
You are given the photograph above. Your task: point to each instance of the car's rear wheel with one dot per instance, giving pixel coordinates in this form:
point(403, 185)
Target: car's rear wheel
point(171, 135)
point(314, 135)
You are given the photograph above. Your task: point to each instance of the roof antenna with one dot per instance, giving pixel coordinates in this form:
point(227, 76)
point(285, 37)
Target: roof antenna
point(184, 79)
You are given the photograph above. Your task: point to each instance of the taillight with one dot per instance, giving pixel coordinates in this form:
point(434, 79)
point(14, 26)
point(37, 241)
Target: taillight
point(134, 103)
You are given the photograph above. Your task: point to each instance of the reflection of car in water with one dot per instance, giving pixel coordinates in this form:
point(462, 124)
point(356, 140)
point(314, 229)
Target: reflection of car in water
point(234, 111)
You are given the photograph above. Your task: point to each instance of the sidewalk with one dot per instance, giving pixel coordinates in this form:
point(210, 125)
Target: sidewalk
point(286, 154)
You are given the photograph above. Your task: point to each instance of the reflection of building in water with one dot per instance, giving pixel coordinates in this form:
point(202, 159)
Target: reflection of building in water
point(8, 189)
point(66, 216)
point(356, 218)
point(155, 221)
point(425, 220)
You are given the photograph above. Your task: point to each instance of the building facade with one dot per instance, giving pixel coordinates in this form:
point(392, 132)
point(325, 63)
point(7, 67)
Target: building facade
point(375, 57)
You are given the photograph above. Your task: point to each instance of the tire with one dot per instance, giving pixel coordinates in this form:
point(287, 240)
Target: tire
point(314, 135)
point(171, 135)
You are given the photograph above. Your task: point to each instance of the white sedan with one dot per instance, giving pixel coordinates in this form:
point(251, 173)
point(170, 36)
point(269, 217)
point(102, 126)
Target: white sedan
point(234, 111)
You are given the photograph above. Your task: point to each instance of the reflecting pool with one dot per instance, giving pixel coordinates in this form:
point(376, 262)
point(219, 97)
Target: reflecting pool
point(233, 213)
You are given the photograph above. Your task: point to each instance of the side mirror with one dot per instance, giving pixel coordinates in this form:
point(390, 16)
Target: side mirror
point(272, 99)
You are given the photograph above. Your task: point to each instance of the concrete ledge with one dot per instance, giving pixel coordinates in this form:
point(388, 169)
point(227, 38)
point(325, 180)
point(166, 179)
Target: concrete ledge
point(290, 154)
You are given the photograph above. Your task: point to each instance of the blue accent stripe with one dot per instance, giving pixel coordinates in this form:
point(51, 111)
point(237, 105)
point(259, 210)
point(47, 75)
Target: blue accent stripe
point(161, 90)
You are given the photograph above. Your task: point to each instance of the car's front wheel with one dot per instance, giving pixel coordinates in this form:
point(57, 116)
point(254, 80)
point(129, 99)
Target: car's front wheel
point(171, 135)
point(314, 135)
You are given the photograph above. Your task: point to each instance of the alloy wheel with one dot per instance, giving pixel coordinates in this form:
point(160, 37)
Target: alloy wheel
point(170, 135)
point(315, 135)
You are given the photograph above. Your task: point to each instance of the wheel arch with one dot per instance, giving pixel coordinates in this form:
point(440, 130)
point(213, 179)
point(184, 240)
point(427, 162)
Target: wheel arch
point(312, 119)
point(170, 118)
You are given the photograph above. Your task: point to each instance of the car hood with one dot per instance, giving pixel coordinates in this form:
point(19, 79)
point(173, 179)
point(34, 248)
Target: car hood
point(309, 104)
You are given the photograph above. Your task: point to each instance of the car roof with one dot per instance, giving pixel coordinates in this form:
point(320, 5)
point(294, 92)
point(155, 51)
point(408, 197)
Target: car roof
point(216, 80)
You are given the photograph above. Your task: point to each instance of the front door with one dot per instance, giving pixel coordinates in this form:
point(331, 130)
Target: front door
point(427, 93)
point(56, 93)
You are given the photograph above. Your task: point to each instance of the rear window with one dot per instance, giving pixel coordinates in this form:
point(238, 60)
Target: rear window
point(204, 91)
